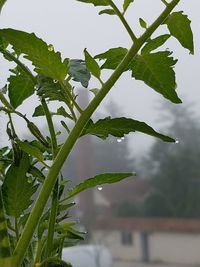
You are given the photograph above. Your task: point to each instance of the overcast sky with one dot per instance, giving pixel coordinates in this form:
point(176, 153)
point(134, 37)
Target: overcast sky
point(72, 26)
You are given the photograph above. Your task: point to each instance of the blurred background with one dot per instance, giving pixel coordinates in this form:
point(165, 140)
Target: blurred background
point(153, 219)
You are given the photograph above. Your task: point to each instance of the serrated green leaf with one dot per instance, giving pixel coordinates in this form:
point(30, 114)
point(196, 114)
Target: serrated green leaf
point(143, 23)
point(79, 72)
point(156, 70)
point(107, 11)
point(20, 87)
point(51, 90)
point(62, 112)
point(17, 191)
point(39, 111)
point(95, 2)
point(118, 127)
point(46, 61)
point(127, 4)
point(155, 43)
point(32, 150)
point(105, 178)
point(179, 27)
point(92, 65)
point(112, 57)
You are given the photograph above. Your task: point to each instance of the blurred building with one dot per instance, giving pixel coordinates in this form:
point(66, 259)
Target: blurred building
point(169, 241)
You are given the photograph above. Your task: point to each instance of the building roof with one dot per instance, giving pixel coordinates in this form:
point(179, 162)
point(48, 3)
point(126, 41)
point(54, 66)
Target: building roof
point(150, 224)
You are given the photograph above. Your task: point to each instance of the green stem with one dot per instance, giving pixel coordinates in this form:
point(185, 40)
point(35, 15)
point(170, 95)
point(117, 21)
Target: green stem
point(123, 20)
point(16, 229)
point(67, 87)
point(165, 2)
point(54, 204)
point(74, 135)
point(5, 251)
point(5, 101)
point(19, 63)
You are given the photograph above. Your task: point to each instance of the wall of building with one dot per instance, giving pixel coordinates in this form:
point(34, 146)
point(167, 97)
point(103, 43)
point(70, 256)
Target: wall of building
point(166, 247)
point(113, 241)
point(179, 248)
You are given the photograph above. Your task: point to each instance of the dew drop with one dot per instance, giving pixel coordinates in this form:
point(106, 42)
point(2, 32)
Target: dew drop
point(100, 188)
point(177, 142)
point(50, 47)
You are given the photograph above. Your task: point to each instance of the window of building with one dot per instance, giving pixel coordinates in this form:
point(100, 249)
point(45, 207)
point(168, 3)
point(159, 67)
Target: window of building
point(127, 238)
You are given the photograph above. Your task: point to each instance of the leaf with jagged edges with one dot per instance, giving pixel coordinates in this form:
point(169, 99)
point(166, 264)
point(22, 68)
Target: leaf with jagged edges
point(20, 87)
point(46, 61)
point(118, 127)
point(95, 2)
point(17, 190)
point(156, 70)
point(112, 57)
point(179, 27)
point(105, 178)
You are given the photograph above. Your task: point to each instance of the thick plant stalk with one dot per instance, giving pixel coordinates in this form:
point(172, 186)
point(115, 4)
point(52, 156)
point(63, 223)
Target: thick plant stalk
point(74, 135)
point(5, 253)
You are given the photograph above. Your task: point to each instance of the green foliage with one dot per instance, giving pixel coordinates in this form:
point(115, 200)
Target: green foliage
point(155, 43)
point(17, 190)
point(118, 127)
point(24, 165)
point(92, 65)
point(46, 61)
point(143, 24)
point(156, 70)
point(79, 72)
point(20, 87)
point(179, 27)
point(106, 178)
point(113, 57)
point(126, 4)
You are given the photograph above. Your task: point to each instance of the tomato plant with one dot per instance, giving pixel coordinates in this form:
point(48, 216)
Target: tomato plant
point(32, 232)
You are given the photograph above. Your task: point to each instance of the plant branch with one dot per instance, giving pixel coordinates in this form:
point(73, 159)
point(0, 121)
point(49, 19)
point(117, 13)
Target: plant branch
point(7, 54)
point(54, 204)
point(74, 135)
point(123, 20)
point(67, 87)
point(165, 2)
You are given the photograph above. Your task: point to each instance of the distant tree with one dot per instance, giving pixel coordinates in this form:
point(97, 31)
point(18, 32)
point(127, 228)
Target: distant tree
point(174, 169)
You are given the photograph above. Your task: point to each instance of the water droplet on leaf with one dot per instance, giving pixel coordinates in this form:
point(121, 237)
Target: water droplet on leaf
point(50, 47)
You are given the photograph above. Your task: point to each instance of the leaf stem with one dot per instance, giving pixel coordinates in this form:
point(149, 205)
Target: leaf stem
point(123, 20)
point(16, 229)
point(54, 204)
point(5, 101)
point(7, 54)
point(165, 2)
point(74, 135)
point(67, 87)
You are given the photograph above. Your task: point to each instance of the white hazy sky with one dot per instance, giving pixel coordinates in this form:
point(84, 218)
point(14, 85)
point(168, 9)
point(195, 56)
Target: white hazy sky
point(72, 26)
